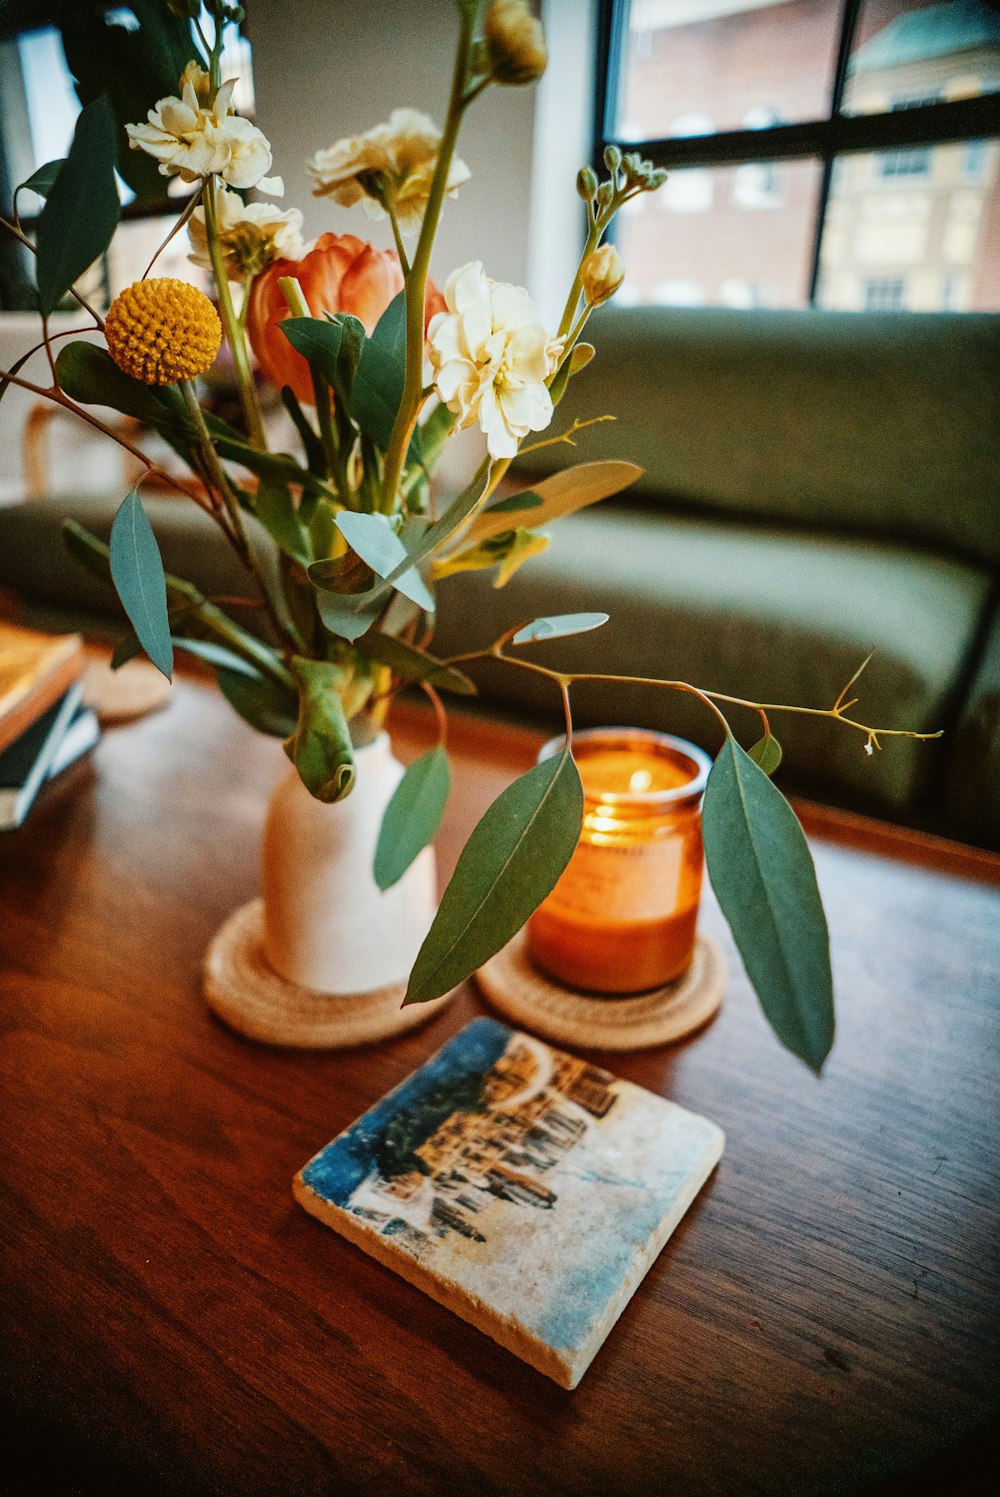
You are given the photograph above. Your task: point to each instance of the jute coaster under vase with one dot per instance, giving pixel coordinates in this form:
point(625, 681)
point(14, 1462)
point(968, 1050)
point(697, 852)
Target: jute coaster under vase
point(514, 985)
point(244, 990)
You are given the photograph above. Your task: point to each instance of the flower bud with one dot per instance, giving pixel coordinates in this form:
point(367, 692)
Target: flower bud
point(658, 178)
point(586, 183)
point(632, 163)
point(605, 193)
point(601, 273)
point(612, 158)
point(515, 42)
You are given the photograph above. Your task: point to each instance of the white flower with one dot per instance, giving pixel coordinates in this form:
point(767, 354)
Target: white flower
point(392, 163)
point(491, 358)
point(251, 235)
point(193, 141)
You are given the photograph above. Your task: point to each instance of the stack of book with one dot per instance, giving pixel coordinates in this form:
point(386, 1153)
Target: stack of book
point(44, 723)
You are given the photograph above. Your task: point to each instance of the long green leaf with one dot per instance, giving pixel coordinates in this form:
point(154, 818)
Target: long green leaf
point(82, 210)
point(320, 748)
point(510, 863)
point(766, 752)
point(137, 571)
point(762, 872)
point(413, 664)
point(412, 816)
point(89, 374)
point(193, 616)
point(317, 340)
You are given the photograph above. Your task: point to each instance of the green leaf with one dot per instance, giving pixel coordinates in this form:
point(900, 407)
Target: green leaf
point(320, 748)
point(762, 873)
point(558, 625)
point(378, 379)
point(413, 664)
point(373, 539)
point(317, 340)
point(766, 753)
point(348, 620)
point(43, 180)
point(434, 433)
point(89, 374)
point(82, 210)
point(506, 551)
point(527, 499)
point(510, 863)
point(412, 817)
point(139, 581)
point(263, 703)
point(562, 494)
point(311, 444)
point(275, 508)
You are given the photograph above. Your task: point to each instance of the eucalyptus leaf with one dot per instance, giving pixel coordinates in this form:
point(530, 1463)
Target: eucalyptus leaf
point(766, 753)
point(352, 619)
point(413, 664)
point(510, 863)
point(320, 747)
point(89, 375)
point(82, 210)
point(412, 816)
point(137, 571)
point(219, 656)
point(373, 539)
point(557, 626)
point(762, 873)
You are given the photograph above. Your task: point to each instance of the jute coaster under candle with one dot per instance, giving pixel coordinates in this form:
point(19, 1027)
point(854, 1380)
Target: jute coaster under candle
point(514, 985)
point(246, 992)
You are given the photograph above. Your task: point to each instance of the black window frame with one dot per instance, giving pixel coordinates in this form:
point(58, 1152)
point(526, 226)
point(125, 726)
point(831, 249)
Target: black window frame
point(823, 139)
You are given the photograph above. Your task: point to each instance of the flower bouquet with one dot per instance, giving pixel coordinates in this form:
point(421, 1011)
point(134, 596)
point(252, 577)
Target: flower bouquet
point(347, 542)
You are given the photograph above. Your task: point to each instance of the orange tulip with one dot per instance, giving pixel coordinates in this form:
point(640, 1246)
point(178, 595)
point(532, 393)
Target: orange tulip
point(339, 274)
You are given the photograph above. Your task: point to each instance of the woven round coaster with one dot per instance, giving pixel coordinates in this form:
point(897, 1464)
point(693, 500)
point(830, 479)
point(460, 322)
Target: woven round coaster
point(514, 985)
point(119, 696)
point(248, 995)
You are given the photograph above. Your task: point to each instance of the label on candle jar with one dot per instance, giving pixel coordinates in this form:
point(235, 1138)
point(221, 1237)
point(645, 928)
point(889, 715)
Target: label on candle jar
point(609, 883)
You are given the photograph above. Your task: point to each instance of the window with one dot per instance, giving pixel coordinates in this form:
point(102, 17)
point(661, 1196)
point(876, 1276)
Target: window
point(39, 113)
point(834, 153)
point(885, 294)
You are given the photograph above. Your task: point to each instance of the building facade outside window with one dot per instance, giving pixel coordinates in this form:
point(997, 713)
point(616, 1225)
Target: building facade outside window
point(844, 145)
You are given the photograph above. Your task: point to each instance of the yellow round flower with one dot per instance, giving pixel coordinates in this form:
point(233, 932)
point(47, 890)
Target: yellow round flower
point(162, 330)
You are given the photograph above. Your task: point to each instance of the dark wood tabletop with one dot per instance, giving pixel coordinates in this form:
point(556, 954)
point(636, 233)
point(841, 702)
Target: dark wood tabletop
point(824, 1320)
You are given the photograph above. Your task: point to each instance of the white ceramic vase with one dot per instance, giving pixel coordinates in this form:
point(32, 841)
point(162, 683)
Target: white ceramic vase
point(327, 924)
point(322, 960)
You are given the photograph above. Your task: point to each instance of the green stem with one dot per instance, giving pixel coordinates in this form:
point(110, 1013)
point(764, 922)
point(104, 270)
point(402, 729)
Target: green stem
point(234, 333)
point(221, 481)
point(416, 283)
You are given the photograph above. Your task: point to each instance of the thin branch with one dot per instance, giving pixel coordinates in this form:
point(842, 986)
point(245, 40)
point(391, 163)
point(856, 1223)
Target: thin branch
point(189, 208)
point(564, 436)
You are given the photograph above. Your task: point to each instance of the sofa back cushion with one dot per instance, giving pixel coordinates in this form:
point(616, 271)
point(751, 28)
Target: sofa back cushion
point(864, 422)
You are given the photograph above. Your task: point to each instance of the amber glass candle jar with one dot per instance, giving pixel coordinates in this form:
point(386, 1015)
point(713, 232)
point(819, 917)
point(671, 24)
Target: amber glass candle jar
point(622, 917)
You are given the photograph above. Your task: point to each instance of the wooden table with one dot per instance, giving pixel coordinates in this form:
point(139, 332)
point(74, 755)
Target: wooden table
point(824, 1320)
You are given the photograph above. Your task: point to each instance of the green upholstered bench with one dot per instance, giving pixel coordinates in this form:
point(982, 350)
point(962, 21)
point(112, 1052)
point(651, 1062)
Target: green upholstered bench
point(816, 486)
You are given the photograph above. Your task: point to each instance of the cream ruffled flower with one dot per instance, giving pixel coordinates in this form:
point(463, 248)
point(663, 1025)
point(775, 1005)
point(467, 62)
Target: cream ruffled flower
point(252, 235)
point(491, 358)
point(394, 162)
point(191, 140)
